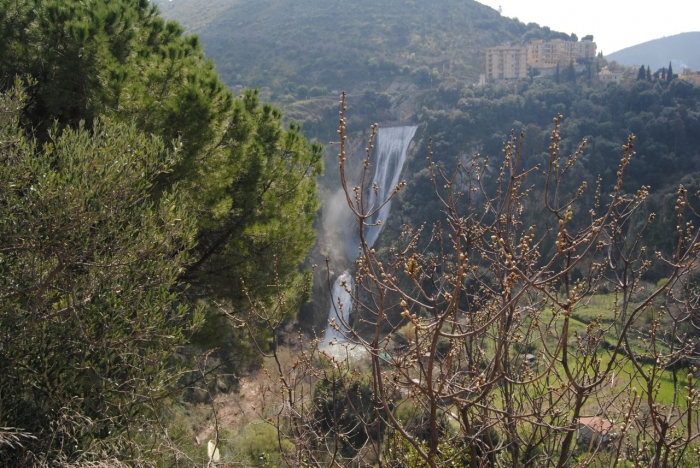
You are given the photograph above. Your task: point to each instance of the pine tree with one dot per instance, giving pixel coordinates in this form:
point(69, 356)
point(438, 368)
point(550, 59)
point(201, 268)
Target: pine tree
point(251, 180)
point(264, 223)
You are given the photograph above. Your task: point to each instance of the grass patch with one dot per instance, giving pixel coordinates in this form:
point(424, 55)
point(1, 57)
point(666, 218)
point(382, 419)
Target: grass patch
point(598, 307)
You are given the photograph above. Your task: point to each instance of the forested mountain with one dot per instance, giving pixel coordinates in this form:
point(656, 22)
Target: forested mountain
point(682, 49)
point(311, 47)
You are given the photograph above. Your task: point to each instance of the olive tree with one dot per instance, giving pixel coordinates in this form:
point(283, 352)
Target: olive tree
point(89, 309)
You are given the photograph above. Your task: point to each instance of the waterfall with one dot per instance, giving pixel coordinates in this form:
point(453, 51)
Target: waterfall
point(390, 147)
point(389, 153)
point(340, 309)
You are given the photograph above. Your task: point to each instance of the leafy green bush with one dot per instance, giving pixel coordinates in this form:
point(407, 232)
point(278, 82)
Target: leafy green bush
point(89, 310)
point(342, 404)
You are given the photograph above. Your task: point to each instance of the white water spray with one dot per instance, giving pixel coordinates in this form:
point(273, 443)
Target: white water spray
point(339, 312)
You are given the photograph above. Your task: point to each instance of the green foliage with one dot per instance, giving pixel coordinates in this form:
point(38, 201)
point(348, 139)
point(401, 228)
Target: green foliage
point(665, 119)
point(416, 420)
point(250, 180)
point(403, 453)
point(117, 58)
point(570, 73)
point(641, 75)
point(89, 309)
point(262, 203)
point(344, 408)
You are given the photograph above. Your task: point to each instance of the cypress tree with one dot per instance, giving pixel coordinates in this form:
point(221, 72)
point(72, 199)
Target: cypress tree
point(669, 75)
point(571, 72)
point(642, 73)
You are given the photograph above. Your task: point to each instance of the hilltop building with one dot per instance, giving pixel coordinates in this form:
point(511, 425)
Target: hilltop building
point(690, 76)
point(515, 62)
point(549, 54)
point(506, 63)
point(607, 76)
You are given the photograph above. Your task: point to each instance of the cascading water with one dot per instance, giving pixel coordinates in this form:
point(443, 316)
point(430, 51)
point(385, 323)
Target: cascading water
point(340, 309)
point(390, 155)
point(390, 150)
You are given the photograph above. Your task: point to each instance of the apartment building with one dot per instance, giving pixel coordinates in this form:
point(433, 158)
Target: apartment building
point(513, 62)
point(542, 54)
point(506, 63)
point(549, 54)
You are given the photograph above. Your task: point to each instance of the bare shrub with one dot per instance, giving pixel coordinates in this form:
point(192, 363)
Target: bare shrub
point(474, 354)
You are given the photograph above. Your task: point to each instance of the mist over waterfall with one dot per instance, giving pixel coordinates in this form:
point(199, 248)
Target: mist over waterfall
point(339, 312)
point(389, 156)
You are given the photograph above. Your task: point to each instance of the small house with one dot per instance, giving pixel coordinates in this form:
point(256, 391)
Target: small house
point(595, 432)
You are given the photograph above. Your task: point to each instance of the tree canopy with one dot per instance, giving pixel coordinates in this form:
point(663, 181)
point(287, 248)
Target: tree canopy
point(143, 191)
point(250, 180)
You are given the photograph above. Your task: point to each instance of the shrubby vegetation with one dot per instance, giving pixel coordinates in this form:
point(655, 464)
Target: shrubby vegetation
point(89, 312)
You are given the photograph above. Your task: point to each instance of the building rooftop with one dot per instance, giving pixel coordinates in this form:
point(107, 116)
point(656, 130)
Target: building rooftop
point(596, 423)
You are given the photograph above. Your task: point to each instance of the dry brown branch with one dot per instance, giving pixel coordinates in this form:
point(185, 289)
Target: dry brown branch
point(475, 348)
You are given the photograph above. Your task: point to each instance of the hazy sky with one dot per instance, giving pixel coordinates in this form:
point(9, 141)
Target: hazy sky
point(615, 24)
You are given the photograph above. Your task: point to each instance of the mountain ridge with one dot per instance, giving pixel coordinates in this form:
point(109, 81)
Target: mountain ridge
point(679, 48)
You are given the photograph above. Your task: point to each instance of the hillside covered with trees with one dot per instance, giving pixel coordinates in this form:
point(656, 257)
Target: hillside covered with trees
point(334, 45)
point(301, 55)
point(663, 115)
